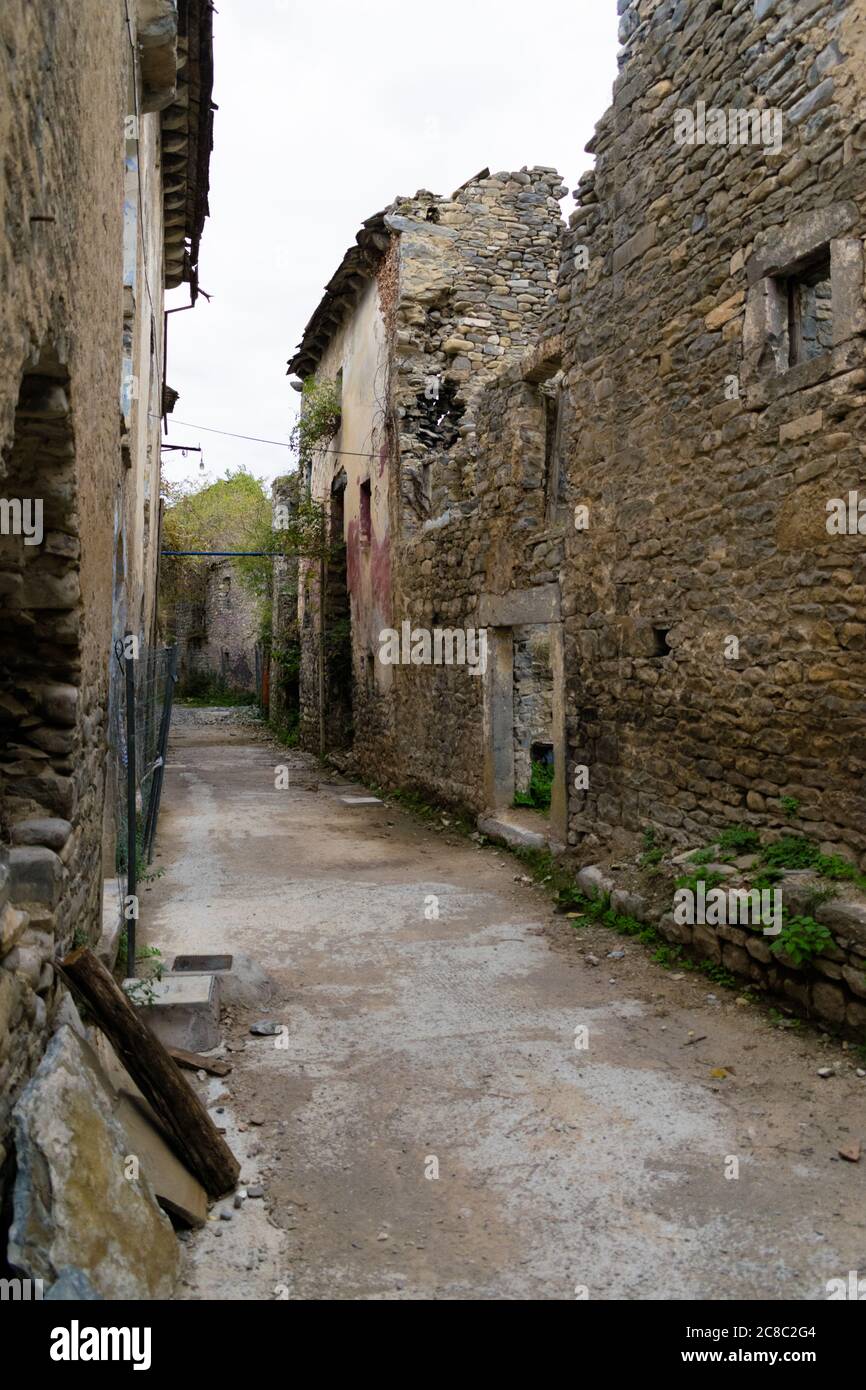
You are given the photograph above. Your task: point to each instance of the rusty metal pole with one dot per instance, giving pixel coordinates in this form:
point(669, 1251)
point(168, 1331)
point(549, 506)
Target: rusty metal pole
point(131, 818)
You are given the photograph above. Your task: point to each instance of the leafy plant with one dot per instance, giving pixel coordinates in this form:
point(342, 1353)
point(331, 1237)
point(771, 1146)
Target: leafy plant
point(833, 866)
point(653, 853)
point(790, 852)
point(739, 839)
point(718, 974)
point(141, 993)
point(766, 878)
point(799, 852)
point(801, 939)
point(703, 856)
point(790, 806)
point(692, 881)
point(540, 787)
point(320, 417)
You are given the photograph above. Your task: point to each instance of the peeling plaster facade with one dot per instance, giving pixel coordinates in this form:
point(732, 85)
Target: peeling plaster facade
point(436, 297)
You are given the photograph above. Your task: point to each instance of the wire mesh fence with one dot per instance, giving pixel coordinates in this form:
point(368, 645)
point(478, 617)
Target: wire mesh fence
point(140, 703)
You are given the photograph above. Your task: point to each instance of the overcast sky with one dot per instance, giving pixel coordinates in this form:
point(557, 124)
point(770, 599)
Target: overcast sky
point(328, 109)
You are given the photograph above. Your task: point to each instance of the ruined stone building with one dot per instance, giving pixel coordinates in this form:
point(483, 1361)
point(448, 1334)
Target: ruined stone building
point(217, 636)
point(436, 297)
point(105, 129)
point(618, 447)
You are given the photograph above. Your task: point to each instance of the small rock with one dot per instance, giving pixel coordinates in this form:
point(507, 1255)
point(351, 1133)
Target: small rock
point(825, 1072)
point(256, 1190)
point(851, 1152)
point(239, 1200)
point(202, 1075)
point(592, 960)
point(225, 1215)
point(265, 1029)
point(616, 955)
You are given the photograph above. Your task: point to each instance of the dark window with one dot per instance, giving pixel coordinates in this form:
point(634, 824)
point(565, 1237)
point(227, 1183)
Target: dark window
point(810, 311)
point(660, 638)
point(366, 510)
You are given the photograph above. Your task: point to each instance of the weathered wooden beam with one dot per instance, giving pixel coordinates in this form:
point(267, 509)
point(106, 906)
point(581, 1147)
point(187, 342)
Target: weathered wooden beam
point(193, 1061)
point(159, 1079)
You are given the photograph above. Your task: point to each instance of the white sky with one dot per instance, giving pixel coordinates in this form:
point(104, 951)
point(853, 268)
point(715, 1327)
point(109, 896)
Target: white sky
point(328, 109)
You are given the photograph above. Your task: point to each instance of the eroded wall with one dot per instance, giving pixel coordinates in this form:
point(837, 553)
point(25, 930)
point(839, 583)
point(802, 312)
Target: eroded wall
point(63, 84)
point(715, 630)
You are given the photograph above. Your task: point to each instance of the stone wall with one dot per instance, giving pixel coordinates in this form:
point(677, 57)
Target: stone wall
point(715, 638)
point(217, 637)
point(713, 630)
point(61, 200)
point(87, 166)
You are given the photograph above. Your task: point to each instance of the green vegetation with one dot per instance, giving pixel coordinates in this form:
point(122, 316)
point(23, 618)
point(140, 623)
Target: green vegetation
point(798, 852)
point(790, 806)
point(801, 940)
point(692, 881)
point(653, 853)
point(739, 839)
point(540, 787)
point(143, 873)
point(150, 954)
point(791, 852)
point(718, 974)
point(319, 420)
point(766, 878)
point(600, 910)
point(703, 856)
point(203, 690)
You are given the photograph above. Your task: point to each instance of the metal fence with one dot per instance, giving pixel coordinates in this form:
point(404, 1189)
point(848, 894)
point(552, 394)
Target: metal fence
point(142, 690)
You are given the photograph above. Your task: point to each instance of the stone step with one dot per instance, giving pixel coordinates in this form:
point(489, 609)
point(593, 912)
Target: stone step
point(182, 1010)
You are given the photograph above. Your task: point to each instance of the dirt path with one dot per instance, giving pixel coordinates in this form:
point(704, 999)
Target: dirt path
point(411, 1039)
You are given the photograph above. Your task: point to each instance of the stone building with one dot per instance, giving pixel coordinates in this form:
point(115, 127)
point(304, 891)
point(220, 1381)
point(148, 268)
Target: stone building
point(436, 297)
point(217, 637)
point(105, 126)
point(714, 352)
point(650, 471)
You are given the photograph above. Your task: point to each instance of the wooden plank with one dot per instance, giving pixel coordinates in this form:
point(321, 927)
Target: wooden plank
point(193, 1061)
point(176, 1190)
point(162, 1083)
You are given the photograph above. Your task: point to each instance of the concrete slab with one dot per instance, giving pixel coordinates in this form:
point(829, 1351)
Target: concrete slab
point(112, 921)
point(507, 833)
point(181, 1010)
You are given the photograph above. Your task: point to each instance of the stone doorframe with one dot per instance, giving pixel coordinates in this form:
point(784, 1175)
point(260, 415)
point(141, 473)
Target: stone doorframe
point(499, 614)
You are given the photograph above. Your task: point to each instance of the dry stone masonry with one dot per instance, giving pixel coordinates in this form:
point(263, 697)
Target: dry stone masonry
point(105, 127)
point(641, 434)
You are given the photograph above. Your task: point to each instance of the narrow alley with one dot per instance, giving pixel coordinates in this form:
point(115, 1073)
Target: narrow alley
point(411, 1046)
